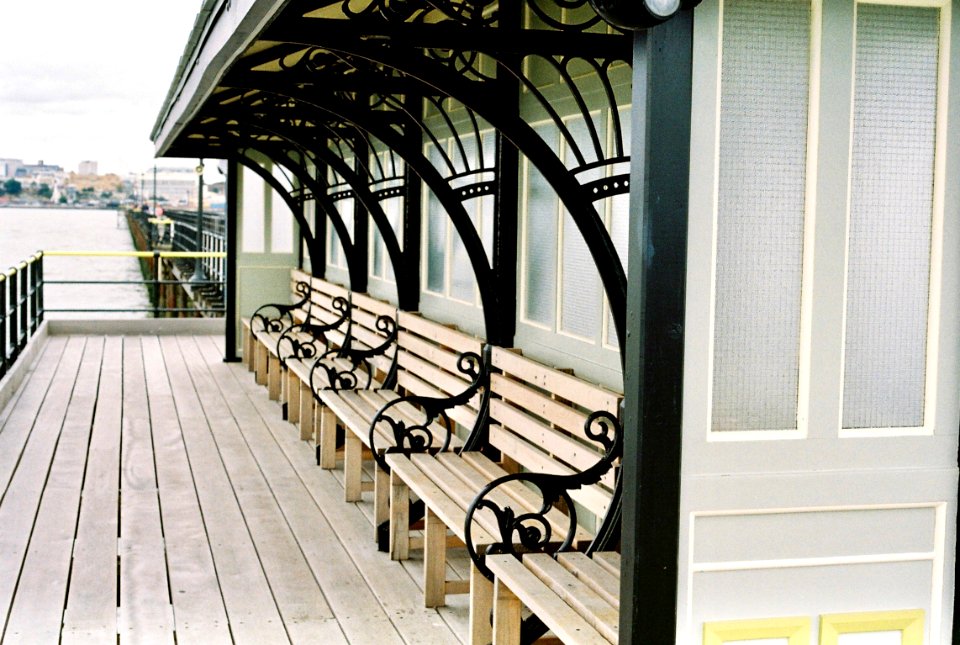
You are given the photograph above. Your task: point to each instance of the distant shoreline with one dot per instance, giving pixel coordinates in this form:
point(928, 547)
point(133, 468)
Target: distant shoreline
point(63, 207)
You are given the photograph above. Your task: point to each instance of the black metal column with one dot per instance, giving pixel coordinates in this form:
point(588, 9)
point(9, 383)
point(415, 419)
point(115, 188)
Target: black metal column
point(408, 284)
point(361, 229)
point(230, 266)
point(653, 375)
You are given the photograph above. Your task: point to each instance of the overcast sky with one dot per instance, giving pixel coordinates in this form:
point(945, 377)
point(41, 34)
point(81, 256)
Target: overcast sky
point(85, 80)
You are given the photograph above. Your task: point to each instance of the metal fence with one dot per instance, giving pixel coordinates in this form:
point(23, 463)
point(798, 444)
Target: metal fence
point(21, 308)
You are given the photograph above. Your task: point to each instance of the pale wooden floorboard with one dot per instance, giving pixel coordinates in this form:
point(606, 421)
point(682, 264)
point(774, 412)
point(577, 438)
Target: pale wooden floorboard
point(91, 612)
point(21, 500)
point(37, 611)
point(150, 493)
point(396, 588)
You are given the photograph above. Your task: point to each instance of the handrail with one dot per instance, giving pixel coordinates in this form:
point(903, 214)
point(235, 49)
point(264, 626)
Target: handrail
point(139, 254)
point(21, 308)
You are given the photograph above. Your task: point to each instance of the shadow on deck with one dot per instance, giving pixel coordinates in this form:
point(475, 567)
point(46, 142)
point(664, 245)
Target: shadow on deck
point(150, 490)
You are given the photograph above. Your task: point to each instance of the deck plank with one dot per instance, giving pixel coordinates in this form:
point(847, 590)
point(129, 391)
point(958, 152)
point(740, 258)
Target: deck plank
point(277, 441)
point(91, 612)
point(145, 607)
point(251, 607)
point(21, 499)
point(37, 611)
point(299, 598)
point(198, 611)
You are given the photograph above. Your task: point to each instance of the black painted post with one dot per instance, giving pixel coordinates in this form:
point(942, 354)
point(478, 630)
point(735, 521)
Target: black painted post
point(24, 301)
point(156, 284)
point(40, 306)
point(12, 317)
point(361, 227)
point(408, 292)
point(4, 343)
point(230, 268)
point(653, 374)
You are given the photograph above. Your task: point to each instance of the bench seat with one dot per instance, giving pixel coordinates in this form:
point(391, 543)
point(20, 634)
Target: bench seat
point(576, 596)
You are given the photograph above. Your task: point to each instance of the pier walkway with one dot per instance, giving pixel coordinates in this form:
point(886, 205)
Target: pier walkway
point(150, 491)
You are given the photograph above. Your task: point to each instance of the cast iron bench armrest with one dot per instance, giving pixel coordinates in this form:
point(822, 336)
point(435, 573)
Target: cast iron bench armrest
point(303, 338)
point(418, 437)
point(283, 319)
point(532, 532)
point(359, 359)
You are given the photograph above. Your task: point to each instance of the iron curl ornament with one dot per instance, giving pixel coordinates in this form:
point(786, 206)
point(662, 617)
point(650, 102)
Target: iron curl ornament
point(418, 437)
point(359, 373)
point(303, 339)
point(283, 318)
point(532, 532)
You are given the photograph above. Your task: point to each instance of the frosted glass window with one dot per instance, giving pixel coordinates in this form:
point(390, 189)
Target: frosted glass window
point(436, 232)
point(760, 218)
point(281, 225)
point(462, 281)
point(891, 203)
point(541, 248)
point(253, 212)
point(337, 256)
point(580, 300)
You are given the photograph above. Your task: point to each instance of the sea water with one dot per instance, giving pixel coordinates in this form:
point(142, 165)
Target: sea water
point(24, 231)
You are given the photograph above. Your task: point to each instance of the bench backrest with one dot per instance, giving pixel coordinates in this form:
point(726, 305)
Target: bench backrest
point(537, 416)
point(427, 359)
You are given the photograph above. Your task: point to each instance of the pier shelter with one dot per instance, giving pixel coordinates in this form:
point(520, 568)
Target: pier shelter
point(741, 214)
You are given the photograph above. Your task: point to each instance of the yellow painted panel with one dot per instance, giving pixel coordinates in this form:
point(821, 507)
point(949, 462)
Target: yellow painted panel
point(908, 622)
point(795, 630)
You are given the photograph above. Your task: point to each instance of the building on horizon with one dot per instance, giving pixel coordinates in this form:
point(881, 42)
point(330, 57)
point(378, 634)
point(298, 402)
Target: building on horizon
point(9, 167)
point(87, 168)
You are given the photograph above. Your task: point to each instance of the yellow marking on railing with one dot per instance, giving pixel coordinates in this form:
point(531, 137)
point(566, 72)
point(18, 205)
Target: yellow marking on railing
point(138, 254)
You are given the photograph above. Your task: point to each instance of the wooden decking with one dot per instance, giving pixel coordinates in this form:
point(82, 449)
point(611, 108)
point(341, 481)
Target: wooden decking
point(151, 492)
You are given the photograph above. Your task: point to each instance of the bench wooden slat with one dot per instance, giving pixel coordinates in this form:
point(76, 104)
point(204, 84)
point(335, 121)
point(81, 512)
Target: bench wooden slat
point(591, 496)
point(439, 334)
point(563, 620)
point(550, 441)
point(598, 577)
point(567, 386)
point(594, 608)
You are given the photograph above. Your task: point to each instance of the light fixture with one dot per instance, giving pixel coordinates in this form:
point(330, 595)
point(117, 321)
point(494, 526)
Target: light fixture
point(639, 14)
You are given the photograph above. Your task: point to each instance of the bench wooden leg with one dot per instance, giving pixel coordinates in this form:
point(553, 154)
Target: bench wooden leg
point(246, 346)
point(352, 467)
point(481, 602)
point(506, 616)
point(327, 439)
point(434, 560)
point(274, 378)
point(262, 355)
point(399, 519)
point(293, 397)
point(305, 415)
point(381, 497)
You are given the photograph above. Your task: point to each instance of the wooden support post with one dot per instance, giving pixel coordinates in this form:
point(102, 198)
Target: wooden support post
point(274, 377)
point(305, 416)
point(327, 441)
point(262, 357)
point(434, 560)
point(293, 397)
point(381, 496)
point(481, 602)
point(506, 616)
point(399, 519)
point(352, 467)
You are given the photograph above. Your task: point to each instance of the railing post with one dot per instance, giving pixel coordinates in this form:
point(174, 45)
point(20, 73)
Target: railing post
point(4, 344)
point(12, 317)
point(39, 292)
point(23, 303)
point(156, 284)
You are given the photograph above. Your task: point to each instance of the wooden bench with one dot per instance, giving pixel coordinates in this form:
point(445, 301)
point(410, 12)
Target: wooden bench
point(574, 595)
point(318, 308)
point(438, 402)
point(363, 356)
point(559, 439)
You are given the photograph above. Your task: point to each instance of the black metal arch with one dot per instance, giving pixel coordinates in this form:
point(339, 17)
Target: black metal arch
point(322, 108)
point(360, 190)
point(473, 94)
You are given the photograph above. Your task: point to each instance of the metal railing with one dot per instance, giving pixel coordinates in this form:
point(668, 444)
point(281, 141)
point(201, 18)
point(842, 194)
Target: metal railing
point(163, 286)
point(21, 309)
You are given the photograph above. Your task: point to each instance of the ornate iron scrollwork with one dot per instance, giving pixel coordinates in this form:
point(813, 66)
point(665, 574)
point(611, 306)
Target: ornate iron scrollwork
point(361, 370)
point(528, 532)
point(306, 347)
point(419, 437)
point(284, 316)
